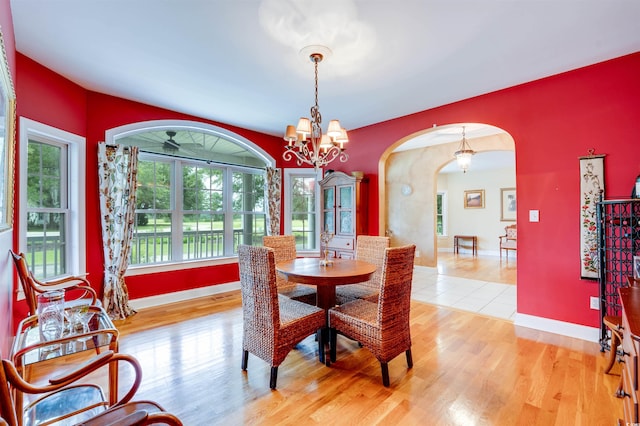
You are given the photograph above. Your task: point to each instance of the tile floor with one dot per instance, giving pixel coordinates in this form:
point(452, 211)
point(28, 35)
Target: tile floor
point(483, 297)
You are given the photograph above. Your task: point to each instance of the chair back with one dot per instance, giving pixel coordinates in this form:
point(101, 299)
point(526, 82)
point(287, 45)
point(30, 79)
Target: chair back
point(260, 309)
point(284, 248)
point(371, 249)
point(511, 232)
point(26, 281)
point(395, 295)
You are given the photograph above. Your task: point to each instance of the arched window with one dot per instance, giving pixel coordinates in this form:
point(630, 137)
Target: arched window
point(201, 191)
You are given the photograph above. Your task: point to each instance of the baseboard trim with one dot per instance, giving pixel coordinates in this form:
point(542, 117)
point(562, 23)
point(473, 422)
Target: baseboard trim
point(181, 296)
point(577, 331)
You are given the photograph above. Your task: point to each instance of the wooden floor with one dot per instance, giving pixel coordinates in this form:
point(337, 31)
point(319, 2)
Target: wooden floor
point(468, 370)
point(480, 267)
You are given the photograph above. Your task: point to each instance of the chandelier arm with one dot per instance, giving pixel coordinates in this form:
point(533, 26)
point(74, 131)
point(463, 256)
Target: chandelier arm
point(331, 154)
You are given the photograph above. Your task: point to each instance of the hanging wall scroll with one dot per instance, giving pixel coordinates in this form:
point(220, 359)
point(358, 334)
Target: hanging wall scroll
point(591, 189)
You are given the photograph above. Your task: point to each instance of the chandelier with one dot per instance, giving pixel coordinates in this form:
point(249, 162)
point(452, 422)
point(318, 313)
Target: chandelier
point(464, 153)
point(306, 143)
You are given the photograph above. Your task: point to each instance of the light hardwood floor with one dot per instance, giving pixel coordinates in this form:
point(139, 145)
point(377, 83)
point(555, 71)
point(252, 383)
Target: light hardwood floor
point(468, 370)
point(483, 268)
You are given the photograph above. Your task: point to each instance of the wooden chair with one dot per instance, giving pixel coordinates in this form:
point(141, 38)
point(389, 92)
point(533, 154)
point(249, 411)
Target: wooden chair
point(272, 324)
point(509, 241)
point(381, 327)
point(284, 247)
point(369, 249)
point(78, 291)
point(70, 397)
point(614, 324)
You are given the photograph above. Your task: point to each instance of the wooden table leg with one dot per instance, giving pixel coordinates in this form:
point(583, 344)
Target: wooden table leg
point(326, 299)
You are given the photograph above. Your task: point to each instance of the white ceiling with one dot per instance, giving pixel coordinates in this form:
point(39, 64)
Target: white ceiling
point(238, 61)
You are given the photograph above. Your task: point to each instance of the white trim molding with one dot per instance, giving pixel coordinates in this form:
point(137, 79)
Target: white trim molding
point(568, 329)
point(76, 159)
point(181, 296)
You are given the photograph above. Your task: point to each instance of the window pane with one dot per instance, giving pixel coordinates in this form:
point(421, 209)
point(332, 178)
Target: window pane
point(202, 236)
point(152, 238)
point(46, 244)
point(154, 185)
point(248, 192)
point(47, 209)
point(248, 229)
point(202, 188)
point(43, 175)
point(440, 214)
point(303, 214)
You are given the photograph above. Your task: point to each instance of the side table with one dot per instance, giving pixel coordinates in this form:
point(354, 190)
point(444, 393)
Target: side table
point(474, 243)
point(29, 349)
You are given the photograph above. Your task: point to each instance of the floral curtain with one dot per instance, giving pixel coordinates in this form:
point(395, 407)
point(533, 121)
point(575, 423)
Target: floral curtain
point(117, 166)
point(274, 191)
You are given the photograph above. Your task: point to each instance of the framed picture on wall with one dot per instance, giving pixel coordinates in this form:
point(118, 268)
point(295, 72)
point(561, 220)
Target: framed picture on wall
point(474, 199)
point(508, 204)
point(636, 267)
point(7, 148)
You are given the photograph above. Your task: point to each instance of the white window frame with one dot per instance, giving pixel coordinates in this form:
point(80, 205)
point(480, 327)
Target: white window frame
point(444, 212)
point(76, 176)
point(112, 134)
point(289, 174)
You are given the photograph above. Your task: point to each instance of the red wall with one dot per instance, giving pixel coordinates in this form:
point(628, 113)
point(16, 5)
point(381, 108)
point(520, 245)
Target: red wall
point(107, 112)
point(553, 122)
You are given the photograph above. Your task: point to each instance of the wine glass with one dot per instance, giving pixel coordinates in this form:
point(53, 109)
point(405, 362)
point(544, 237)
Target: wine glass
point(78, 318)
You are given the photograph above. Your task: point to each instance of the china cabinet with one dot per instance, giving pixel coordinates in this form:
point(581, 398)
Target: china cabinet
point(344, 215)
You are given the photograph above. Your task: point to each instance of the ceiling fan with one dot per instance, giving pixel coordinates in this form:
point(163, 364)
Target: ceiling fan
point(170, 145)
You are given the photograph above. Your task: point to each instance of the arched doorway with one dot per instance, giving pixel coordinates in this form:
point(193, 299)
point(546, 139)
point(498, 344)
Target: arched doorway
point(408, 182)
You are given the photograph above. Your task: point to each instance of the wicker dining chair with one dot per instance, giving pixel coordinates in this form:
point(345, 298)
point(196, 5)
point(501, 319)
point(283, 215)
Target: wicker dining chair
point(284, 247)
point(71, 399)
point(369, 249)
point(77, 290)
point(381, 327)
point(272, 324)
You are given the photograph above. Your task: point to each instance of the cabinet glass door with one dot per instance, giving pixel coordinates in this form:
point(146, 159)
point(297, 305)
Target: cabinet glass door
point(346, 222)
point(346, 197)
point(329, 221)
point(345, 210)
point(329, 198)
point(328, 206)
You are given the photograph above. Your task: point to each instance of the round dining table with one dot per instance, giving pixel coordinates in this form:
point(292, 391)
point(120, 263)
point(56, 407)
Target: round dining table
point(309, 270)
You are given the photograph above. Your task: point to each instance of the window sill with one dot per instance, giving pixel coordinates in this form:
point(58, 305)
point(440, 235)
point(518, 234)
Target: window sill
point(178, 266)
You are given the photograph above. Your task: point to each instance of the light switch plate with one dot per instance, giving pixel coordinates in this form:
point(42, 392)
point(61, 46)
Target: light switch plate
point(534, 215)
